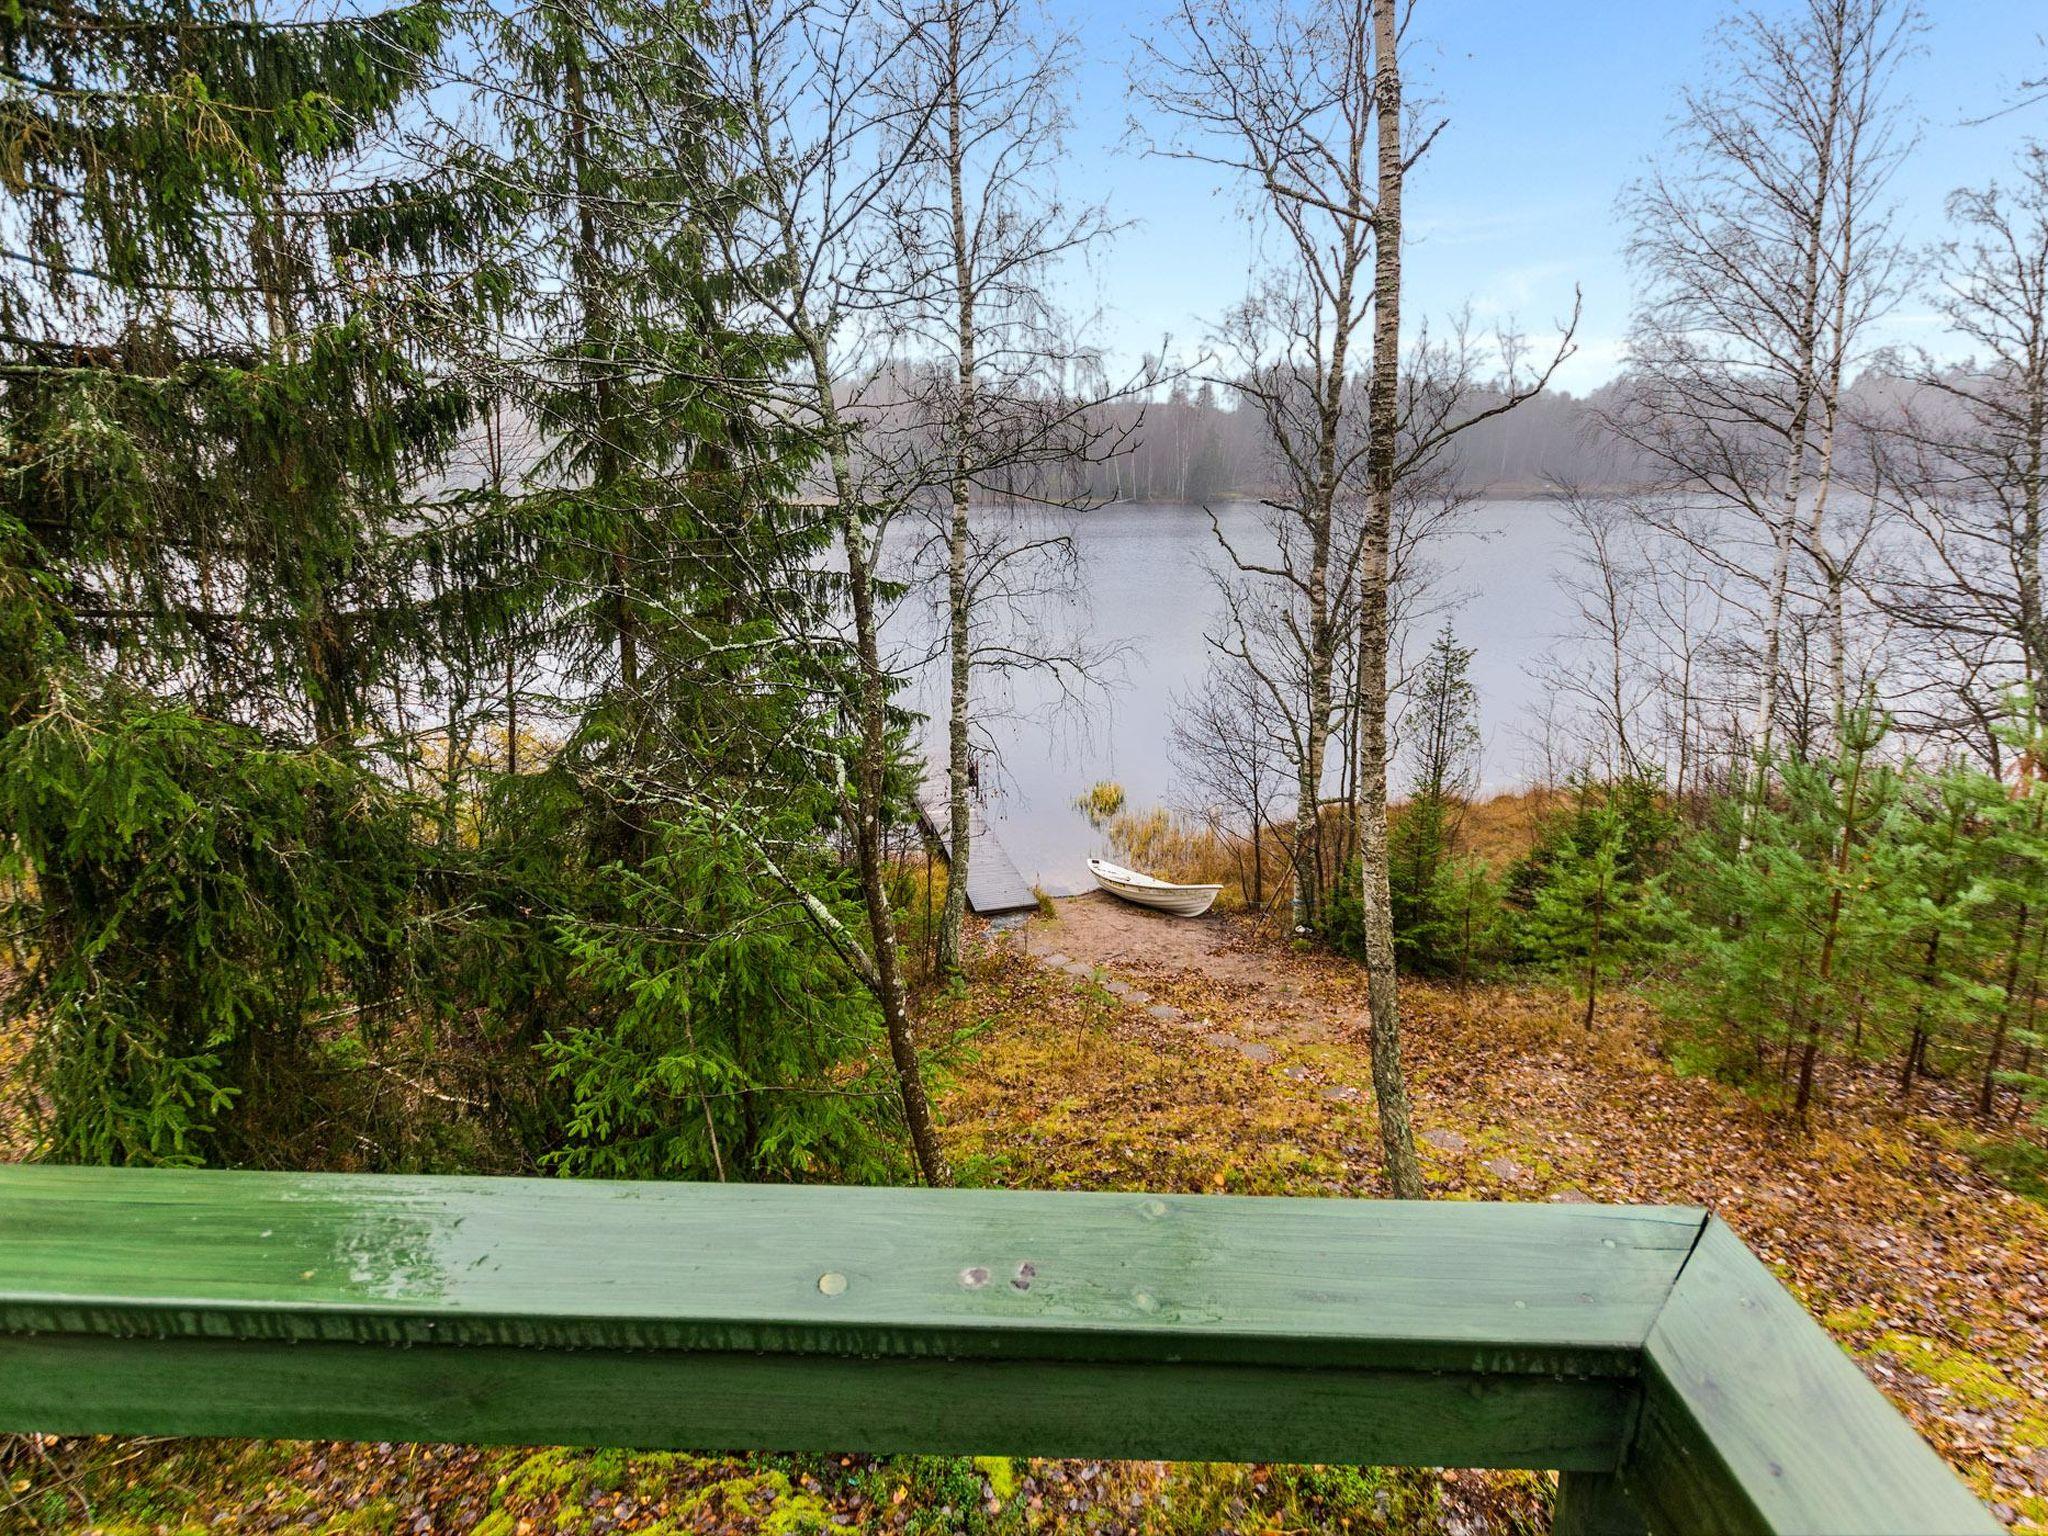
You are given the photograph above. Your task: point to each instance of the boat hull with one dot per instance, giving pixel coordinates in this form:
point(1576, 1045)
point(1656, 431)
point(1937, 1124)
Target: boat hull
point(1159, 895)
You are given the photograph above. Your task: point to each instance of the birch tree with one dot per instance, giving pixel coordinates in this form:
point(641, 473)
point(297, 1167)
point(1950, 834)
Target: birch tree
point(980, 230)
point(1300, 106)
point(1763, 254)
point(1968, 455)
point(821, 142)
point(1598, 668)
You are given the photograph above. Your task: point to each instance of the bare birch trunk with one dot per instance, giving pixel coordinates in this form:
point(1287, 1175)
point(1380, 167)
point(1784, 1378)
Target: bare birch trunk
point(2033, 623)
point(1389, 1079)
point(961, 828)
point(1806, 386)
point(1837, 620)
point(1809, 1054)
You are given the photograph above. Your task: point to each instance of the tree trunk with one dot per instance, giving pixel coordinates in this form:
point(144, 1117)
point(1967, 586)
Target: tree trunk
point(1383, 996)
point(1831, 415)
point(871, 766)
point(1593, 962)
point(1987, 1090)
point(587, 271)
point(1806, 337)
point(1811, 1052)
point(1917, 1046)
point(959, 809)
point(884, 976)
point(2034, 489)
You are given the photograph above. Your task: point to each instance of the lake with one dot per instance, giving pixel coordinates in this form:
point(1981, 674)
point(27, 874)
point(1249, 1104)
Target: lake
point(1147, 590)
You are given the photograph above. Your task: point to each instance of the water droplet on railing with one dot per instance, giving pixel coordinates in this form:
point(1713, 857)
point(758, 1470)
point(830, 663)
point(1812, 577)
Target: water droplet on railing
point(831, 1282)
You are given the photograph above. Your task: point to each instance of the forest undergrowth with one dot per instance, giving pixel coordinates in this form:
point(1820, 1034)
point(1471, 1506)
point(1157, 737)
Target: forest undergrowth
point(1882, 1221)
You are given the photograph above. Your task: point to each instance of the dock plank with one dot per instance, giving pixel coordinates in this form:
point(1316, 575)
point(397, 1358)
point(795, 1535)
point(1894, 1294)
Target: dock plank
point(994, 883)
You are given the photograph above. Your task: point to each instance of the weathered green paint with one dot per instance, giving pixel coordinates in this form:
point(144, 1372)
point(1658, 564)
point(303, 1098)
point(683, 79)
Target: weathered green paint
point(1755, 1421)
point(564, 1263)
point(662, 1399)
point(1602, 1341)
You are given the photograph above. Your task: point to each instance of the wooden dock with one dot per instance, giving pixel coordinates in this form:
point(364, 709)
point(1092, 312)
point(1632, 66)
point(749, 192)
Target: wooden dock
point(994, 885)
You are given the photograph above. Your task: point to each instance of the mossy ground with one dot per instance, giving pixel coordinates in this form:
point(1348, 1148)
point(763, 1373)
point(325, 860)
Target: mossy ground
point(1931, 1274)
point(202, 1488)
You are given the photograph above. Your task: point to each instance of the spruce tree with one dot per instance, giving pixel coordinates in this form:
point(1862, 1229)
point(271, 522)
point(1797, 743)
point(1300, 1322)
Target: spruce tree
point(216, 406)
point(686, 1008)
point(1792, 918)
point(1946, 866)
point(648, 505)
point(1587, 917)
point(214, 409)
point(2017, 852)
point(1427, 892)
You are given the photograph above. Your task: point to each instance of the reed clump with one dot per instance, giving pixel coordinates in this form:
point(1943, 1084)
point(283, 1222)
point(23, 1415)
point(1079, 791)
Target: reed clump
point(1255, 869)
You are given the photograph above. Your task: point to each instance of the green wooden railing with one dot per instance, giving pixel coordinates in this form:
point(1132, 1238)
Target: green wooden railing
point(1643, 1352)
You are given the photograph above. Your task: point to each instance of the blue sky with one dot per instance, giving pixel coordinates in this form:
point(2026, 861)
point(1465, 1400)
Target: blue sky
point(1553, 106)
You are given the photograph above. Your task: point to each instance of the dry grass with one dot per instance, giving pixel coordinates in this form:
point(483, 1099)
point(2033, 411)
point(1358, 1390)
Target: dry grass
point(1176, 847)
point(1502, 829)
point(1179, 847)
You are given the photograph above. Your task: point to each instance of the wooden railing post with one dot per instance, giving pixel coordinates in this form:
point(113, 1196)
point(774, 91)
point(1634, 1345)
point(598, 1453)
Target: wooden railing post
point(1595, 1504)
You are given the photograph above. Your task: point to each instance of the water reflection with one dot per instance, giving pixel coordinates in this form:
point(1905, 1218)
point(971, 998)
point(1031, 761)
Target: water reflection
point(1148, 592)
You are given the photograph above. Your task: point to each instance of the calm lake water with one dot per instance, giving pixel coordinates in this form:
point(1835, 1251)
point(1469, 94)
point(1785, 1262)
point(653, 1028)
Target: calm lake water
point(1148, 592)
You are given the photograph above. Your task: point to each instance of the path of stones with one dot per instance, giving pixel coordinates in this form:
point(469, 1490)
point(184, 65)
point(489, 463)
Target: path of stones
point(1095, 936)
point(1110, 931)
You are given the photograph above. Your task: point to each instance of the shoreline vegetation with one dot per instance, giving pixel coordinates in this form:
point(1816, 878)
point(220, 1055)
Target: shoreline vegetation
point(1534, 490)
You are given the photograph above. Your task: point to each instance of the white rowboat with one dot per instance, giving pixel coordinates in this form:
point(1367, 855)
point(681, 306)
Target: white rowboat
point(1180, 900)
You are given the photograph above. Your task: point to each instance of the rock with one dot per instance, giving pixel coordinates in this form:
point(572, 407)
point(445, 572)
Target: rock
point(1501, 1168)
point(1165, 1012)
point(1135, 995)
point(1341, 1094)
point(1058, 961)
point(1251, 1050)
point(1444, 1141)
point(1571, 1196)
point(1296, 1074)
